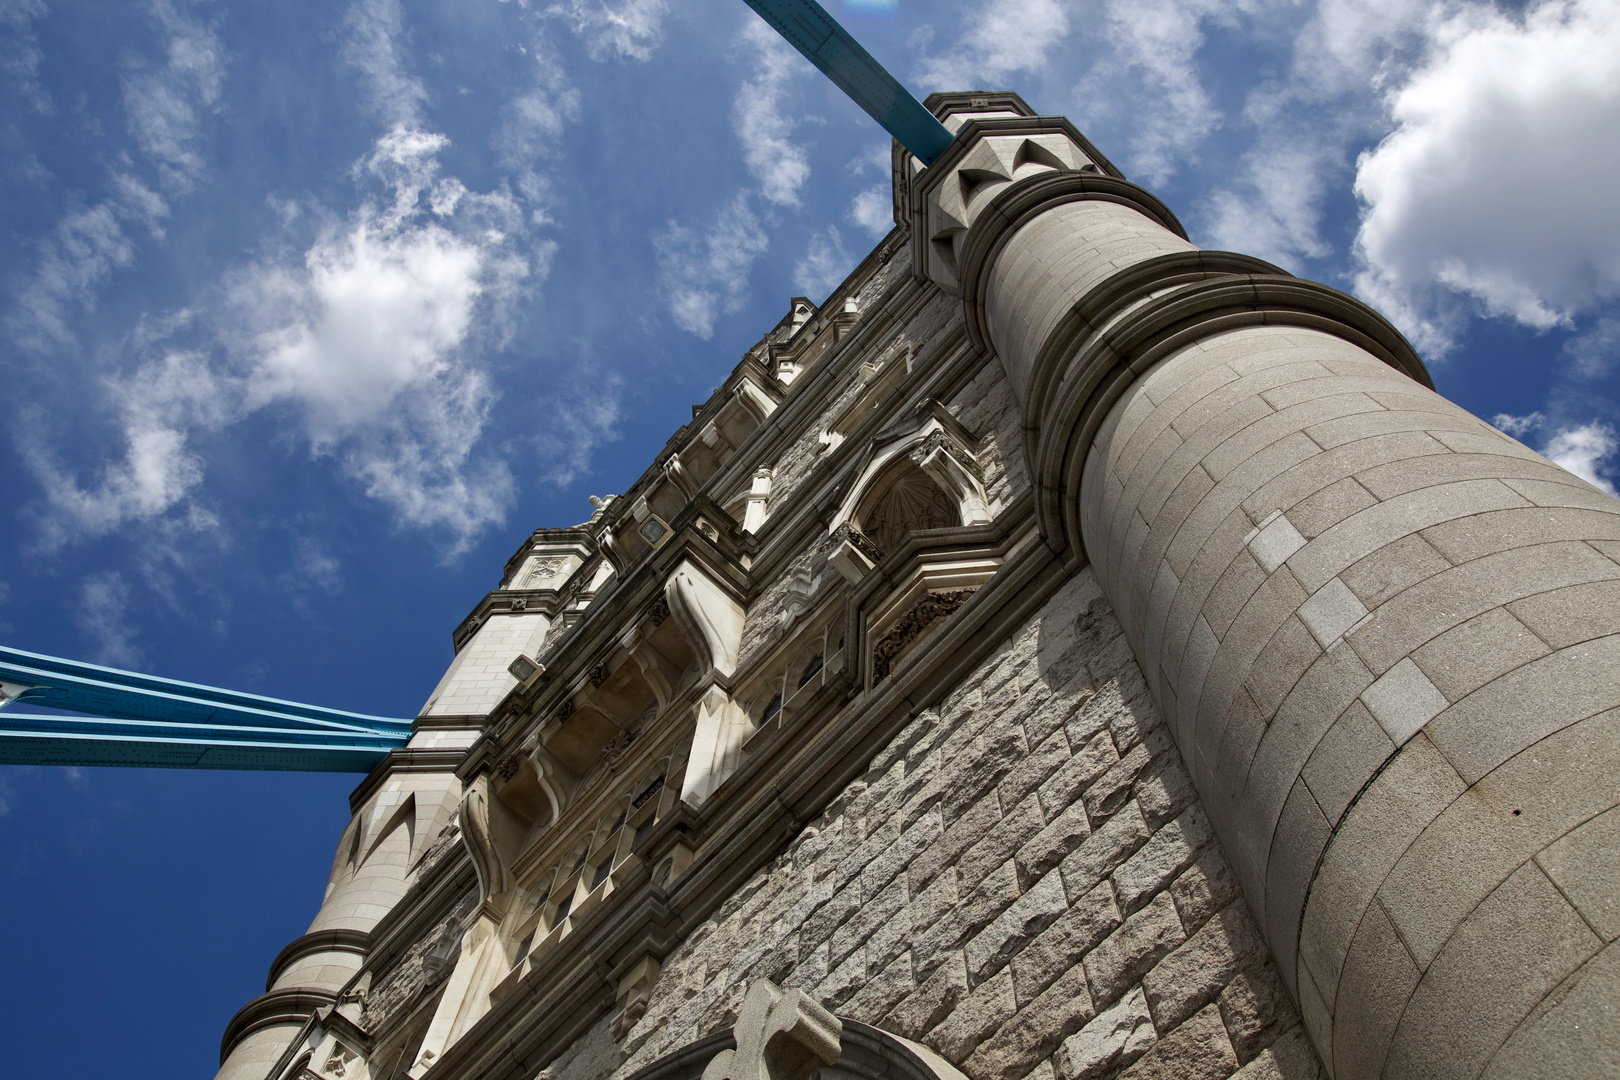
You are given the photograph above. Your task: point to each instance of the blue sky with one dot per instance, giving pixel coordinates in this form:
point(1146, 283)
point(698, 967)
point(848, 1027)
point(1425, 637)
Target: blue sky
point(310, 312)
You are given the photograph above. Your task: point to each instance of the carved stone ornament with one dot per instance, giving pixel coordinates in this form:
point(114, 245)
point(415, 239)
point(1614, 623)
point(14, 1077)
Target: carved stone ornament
point(508, 766)
point(848, 533)
point(659, 611)
point(939, 442)
point(780, 1035)
point(599, 675)
point(519, 603)
point(929, 610)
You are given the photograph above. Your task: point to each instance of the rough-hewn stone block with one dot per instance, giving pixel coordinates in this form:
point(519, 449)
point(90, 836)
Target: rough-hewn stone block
point(1199, 969)
point(1116, 1037)
point(932, 1000)
point(1197, 1048)
point(1127, 954)
point(973, 1020)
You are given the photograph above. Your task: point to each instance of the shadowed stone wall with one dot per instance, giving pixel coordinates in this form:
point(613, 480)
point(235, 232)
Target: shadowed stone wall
point(1023, 881)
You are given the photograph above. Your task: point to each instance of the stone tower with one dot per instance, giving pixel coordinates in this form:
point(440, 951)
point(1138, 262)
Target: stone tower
point(1064, 654)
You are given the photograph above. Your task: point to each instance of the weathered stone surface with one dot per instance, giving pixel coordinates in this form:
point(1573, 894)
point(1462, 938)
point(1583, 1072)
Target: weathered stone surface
point(932, 1000)
point(1035, 1031)
point(1013, 929)
point(1204, 888)
point(1116, 1037)
point(1076, 932)
point(1169, 851)
point(1291, 1057)
point(1256, 1010)
point(1197, 1048)
point(990, 1005)
point(1201, 967)
point(1103, 850)
point(1127, 954)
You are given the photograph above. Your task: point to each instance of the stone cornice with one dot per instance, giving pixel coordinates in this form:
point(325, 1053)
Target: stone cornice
point(398, 761)
point(1091, 359)
point(349, 941)
point(1023, 201)
point(293, 1005)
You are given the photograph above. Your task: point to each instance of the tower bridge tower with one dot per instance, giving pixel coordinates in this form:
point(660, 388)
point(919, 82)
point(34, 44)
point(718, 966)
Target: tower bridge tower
point(1064, 654)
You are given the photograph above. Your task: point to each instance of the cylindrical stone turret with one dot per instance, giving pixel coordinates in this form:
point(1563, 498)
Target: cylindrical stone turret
point(1385, 635)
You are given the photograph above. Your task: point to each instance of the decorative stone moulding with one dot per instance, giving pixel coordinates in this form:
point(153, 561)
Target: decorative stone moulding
point(934, 443)
point(992, 154)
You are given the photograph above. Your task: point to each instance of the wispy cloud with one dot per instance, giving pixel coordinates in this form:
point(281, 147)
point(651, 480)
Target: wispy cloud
point(1001, 39)
point(759, 116)
point(825, 263)
point(102, 616)
point(374, 45)
point(627, 29)
point(703, 271)
point(1588, 451)
point(159, 406)
point(163, 102)
point(20, 55)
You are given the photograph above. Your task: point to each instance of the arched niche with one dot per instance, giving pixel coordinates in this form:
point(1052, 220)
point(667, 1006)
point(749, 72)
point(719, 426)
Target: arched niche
point(924, 474)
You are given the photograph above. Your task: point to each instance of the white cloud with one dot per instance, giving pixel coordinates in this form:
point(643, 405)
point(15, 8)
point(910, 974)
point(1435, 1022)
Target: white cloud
point(703, 272)
point(86, 247)
point(101, 614)
point(873, 210)
point(1586, 451)
point(1003, 37)
point(825, 264)
point(373, 45)
point(1518, 426)
point(159, 406)
point(631, 29)
point(1273, 209)
point(1498, 180)
point(370, 338)
point(313, 568)
point(162, 101)
point(758, 116)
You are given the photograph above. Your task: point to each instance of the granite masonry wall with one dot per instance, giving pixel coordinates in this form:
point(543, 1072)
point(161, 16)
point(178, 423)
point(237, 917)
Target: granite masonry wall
point(1022, 880)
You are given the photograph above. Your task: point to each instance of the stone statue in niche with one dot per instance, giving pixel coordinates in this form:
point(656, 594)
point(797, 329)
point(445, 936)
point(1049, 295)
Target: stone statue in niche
point(781, 1035)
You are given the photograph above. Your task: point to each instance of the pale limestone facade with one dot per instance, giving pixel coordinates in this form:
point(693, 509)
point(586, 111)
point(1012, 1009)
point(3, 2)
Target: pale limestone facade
point(1064, 654)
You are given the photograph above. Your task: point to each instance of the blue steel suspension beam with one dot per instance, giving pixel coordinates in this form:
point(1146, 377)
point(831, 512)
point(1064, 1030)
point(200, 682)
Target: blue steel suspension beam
point(145, 720)
point(807, 27)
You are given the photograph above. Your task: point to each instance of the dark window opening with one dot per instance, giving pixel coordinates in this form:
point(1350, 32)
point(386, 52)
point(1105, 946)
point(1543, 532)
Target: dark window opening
point(562, 909)
point(772, 709)
point(603, 871)
point(810, 671)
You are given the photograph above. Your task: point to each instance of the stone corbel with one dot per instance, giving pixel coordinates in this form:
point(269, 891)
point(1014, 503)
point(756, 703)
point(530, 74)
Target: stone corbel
point(712, 437)
point(853, 554)
point(954, 468)
point(675, 470)
point(655, 670)
point(494, 881)
point(707, 615)
point(634, 992)
point(780, 1035)
point(717, 740)
point(755, 400)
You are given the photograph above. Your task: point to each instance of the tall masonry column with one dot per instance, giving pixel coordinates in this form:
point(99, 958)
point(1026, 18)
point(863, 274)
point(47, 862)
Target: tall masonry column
point(1385, 636)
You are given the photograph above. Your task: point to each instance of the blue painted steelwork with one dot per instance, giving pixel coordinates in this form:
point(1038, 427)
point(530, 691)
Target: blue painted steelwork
point(807, 27)
point(144, 720)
